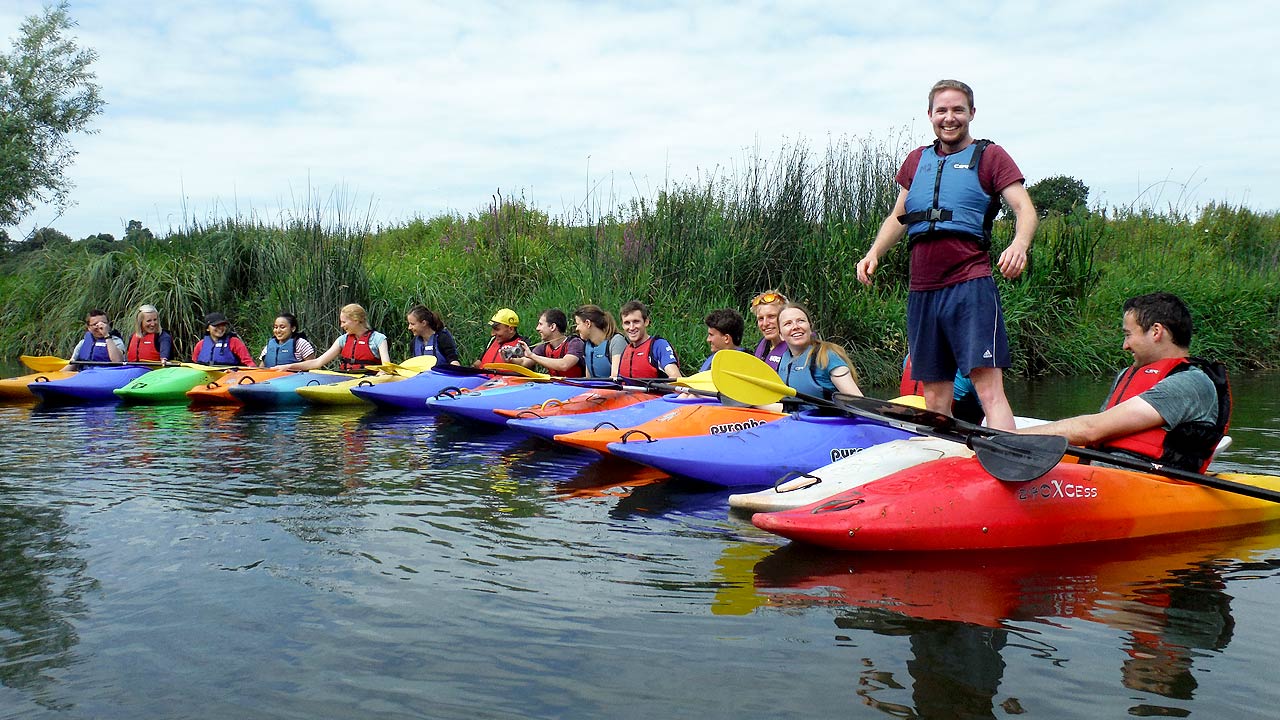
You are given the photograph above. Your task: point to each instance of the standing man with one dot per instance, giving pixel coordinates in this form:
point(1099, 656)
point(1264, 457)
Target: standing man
point(950, 194)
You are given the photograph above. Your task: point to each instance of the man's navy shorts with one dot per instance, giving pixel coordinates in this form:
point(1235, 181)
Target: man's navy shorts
point(959, 327)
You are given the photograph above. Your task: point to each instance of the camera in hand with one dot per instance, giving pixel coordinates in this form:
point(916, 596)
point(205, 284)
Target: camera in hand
point(510, 353)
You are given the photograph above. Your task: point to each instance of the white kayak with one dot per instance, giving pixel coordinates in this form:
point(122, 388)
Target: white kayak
point(860, 468)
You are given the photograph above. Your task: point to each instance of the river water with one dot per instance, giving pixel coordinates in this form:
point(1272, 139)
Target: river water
point(161, 562)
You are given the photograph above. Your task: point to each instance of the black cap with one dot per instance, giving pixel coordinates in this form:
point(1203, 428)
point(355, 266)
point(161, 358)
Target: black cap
point(215, 318)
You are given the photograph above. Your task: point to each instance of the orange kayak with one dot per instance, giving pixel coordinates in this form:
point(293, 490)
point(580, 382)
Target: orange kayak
point(701, 419)
point(219, 392)
point(587, 402)
point(953, 504)
point(15, 389)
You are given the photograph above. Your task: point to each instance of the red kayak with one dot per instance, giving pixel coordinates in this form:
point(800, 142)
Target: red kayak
point(953, 504)
point(587, 402)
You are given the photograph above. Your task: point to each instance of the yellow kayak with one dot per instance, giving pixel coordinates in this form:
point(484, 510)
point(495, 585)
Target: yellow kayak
point(15, 389)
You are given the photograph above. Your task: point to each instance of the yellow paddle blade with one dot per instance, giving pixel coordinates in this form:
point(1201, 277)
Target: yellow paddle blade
point(419, 363)
point(514, 369)
point(43, 363)
point(698, 381)
point(915, 401)
point(747, 379)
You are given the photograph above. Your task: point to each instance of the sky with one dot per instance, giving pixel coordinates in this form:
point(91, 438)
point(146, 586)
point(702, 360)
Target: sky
point(392, 110)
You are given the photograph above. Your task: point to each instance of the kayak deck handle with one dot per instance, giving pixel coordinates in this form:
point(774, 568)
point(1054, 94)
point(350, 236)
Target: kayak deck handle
point(247, 380)
point(450, 392)
point(780, 485)
point(530, 413)
point(605, 424)
point(629, 433)
point(837, 505)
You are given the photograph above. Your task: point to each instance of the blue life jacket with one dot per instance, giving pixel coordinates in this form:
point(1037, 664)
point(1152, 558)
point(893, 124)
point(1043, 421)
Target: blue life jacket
point(596, 358)
point(433, 346)
point(279, 353)
point(218, 352)
point(946, 197)
point(93, 350)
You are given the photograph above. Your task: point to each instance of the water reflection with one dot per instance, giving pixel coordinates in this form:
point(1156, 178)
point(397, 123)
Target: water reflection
point(962, 611)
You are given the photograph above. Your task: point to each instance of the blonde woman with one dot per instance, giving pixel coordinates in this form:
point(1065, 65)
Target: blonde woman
point(766, 307)
point(810, 365)
point(148, 341)
point(358, 346)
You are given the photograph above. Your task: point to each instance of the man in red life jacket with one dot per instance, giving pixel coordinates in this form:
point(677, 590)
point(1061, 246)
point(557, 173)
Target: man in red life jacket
point(646, 356)
point(504, 327)
point(1168, 406)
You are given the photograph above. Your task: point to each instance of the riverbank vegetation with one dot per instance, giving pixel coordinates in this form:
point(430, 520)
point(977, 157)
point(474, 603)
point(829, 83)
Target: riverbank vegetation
point(797, 221)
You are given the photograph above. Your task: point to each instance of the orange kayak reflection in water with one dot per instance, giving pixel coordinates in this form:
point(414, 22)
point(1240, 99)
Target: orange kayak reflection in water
point(1168, 596)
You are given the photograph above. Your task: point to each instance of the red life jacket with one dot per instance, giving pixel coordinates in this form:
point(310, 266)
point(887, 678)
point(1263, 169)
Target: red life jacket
point(557, 353)
point(356, 353)
point(493, 353)
point(1188, 446)
point(907, 386)
point(638, 361)
point(143, 347)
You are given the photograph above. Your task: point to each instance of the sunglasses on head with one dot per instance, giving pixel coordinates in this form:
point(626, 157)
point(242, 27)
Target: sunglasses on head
point(767, 298)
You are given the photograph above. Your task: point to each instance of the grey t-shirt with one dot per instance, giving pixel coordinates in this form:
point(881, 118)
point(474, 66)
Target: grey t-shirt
point(1186, 396)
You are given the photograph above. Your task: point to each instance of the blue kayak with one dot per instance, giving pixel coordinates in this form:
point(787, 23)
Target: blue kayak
point(480, 406)
point(760, 456)
point(548, 428)
point(413, 393)
point(279, 391)
point(91, 385)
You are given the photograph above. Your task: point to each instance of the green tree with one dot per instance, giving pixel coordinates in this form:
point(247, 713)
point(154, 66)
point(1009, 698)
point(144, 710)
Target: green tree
point(134, 232)
point(1058, 194)
point(47, 93)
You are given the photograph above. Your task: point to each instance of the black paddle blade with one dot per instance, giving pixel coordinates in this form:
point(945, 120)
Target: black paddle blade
point(458, 370)
point(866, 406)
point(1018, 458)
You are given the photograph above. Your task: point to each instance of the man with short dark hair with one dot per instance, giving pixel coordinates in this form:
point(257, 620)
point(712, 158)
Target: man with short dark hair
point(950, 194)
point(646, 356)
point(1168, 406)
point(100, 342)
point(724, 332)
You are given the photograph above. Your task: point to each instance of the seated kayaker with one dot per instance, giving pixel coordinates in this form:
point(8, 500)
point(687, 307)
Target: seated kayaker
point(504, 329)
point(724, 332)
point(220, 346)
point(560, 354)
point(287, 343)
point(646, 356)
point(148, 341)
point(602, 344)
point(358, 347)
point(965, 404)
point(1168, 406)
point(766, 307)
point(101, 343)
point(431, 337)
point(810, 365)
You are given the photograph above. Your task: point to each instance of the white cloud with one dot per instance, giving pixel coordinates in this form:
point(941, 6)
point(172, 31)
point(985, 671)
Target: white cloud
point(426, 107)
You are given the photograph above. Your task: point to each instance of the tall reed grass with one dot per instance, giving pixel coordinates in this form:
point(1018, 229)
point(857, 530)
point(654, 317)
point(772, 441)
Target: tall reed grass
point(797, 221)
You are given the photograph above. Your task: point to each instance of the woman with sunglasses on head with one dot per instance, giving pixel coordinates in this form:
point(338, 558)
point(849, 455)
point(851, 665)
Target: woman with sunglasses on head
point(766, 307)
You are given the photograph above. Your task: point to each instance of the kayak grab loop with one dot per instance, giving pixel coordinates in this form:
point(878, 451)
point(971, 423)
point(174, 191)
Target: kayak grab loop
point(41, 378)
point(629, 433)
point(605, 424)
point(247, 380)
point(530, 413)
point(210, 386)
point(798, 484)
point(837, 505)
point(313, 382)
point(553, 402)
point(364, 383)
point(450, 392)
